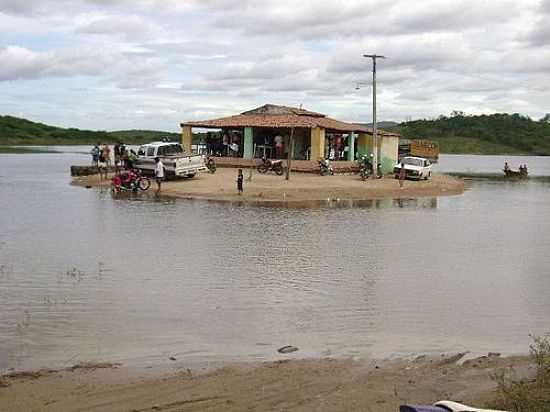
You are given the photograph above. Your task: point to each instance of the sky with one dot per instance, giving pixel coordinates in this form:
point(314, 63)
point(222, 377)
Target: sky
point(151, 64)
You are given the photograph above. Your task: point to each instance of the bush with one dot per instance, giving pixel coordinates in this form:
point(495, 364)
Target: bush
point(527, 395)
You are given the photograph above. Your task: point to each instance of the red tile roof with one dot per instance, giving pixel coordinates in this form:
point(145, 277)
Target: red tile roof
point(281, 116)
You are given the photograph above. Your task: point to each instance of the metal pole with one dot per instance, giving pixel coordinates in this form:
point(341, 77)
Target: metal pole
point(374, 136)
point(375, 148)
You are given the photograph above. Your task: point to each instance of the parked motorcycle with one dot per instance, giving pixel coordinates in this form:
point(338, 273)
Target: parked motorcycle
point(365, 167)
point(130, 180)
point(274, 165)
point(325, 168)
point(210, 164)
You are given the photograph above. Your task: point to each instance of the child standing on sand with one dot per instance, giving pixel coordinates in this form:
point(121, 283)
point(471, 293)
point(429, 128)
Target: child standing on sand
point(240, 178)
point(402, 175)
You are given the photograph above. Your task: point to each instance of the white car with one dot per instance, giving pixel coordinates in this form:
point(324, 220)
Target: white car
point(176, 162)
point(415, 168)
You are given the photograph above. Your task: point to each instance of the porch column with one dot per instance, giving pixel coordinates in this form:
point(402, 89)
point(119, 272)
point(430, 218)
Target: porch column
point(364, 144)
point(248, 146)
point(351, 147)
point(186, 138)
point(317, 143)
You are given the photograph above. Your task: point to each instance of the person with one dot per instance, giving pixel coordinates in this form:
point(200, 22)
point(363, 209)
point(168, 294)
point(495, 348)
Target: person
point(402, 175)
point(278, 146)
point(159, 172)
point(106, 153)
point(338, 146)
point(506, 167)
point(525, 169)
point(132, 158)
point(95, 155)
point(125, 158)
point(240, 178)
point(225, 143)
point(116, 151)
point(102, 165)
point(121, 151)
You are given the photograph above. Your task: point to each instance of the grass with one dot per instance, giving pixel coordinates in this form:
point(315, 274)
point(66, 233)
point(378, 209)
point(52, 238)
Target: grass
point(527, 395)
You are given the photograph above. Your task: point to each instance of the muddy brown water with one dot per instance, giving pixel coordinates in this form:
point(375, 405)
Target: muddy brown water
point(85, 276)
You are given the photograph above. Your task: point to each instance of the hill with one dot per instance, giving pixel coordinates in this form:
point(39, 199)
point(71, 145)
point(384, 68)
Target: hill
point(16, 131)
point(498, 133)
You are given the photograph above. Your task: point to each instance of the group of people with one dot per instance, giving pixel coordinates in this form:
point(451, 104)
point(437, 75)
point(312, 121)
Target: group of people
point(522, 168)
point(124, 158)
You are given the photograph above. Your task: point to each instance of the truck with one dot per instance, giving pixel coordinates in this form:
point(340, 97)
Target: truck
point(419, 148)
point(176, 162)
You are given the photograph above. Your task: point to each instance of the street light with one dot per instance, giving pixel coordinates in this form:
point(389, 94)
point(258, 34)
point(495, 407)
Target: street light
point(374, 129)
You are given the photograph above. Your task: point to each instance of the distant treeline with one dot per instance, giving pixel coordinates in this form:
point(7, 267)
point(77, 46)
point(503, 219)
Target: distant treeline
point(16, 131)
point(499, 133)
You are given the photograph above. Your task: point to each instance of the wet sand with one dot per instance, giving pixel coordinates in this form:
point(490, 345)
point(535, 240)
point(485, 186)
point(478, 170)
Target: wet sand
point(300, 189)
point(293, 385)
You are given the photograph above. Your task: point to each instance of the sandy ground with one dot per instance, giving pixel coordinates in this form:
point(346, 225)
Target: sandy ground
point(293, 385)
point(300, 189)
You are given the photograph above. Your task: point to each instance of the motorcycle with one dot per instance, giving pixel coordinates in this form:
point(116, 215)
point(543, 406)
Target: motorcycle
point(365, 167)
point(129, 180)
point(210, 164)
point(325, 168)
point(266, 165)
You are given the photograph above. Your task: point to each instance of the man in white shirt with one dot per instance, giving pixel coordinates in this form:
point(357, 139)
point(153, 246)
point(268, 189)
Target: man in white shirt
point(159, 172)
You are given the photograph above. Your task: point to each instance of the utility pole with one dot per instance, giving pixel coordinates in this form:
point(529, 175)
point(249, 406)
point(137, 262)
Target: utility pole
point(374, 128)
point(290, 152)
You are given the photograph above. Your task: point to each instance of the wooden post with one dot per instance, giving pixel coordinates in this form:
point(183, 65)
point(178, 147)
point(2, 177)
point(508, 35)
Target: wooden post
point(290, 150)
point(249, 179)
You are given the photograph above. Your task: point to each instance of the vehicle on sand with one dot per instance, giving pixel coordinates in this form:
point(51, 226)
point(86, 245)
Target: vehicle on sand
point(415, 168)
point(176, 162)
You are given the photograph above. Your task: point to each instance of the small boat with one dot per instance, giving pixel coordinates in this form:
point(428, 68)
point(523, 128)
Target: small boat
point(518, 174)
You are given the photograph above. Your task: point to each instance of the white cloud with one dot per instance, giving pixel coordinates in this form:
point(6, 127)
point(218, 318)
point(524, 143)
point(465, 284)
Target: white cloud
point(117, 24)
point(165, 61)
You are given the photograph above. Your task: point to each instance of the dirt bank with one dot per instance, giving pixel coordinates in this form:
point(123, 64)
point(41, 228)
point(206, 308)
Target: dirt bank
point(302, 187)
point(296, 385)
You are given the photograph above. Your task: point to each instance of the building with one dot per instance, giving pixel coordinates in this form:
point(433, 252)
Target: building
point(255, 133)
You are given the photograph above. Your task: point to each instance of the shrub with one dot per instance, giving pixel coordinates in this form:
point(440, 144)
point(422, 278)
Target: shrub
point(527, 395)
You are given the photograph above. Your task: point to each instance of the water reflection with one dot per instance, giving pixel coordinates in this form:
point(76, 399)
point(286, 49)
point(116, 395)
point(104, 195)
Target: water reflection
point(423, 202)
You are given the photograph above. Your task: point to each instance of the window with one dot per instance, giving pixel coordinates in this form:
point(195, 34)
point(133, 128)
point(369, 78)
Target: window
point(412, 161)
point(174, 149)
point(141, 151)
point(150, 151)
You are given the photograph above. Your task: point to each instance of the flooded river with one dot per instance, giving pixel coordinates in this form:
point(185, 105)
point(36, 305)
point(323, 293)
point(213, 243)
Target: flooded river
point(85, 276)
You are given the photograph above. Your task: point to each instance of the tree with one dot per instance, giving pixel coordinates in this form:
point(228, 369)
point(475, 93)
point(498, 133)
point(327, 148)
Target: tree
point(545, 118)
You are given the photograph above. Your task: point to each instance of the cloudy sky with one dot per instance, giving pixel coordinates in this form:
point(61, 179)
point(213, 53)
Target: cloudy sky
point(120, 64)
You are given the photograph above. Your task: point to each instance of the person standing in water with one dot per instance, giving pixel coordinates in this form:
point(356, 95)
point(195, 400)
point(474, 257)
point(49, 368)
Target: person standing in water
point(159, 172)
point(240, 178)
point(95, 155)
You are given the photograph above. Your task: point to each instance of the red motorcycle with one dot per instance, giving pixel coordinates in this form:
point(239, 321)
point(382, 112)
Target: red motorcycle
point(275, 165)
point(130, 180)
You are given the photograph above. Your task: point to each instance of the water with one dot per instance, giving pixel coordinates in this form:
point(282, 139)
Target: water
point(85, 276)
